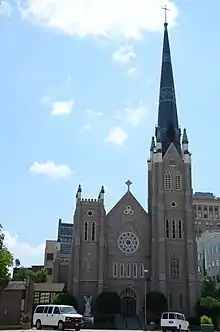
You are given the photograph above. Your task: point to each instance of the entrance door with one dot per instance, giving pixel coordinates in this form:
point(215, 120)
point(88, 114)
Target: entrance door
point(128, 306)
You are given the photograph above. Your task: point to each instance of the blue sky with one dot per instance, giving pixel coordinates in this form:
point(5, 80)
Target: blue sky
point(79, 90)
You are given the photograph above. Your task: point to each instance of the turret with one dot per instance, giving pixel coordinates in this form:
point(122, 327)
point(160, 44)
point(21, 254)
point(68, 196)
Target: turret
point(101, 193)
point(79, 193)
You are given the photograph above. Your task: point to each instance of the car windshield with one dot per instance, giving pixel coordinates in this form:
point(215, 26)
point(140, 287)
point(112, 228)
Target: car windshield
point(68, 310)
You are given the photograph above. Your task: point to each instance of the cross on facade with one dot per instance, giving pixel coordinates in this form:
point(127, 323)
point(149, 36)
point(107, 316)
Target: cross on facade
point(165, 12)
point(128, 183)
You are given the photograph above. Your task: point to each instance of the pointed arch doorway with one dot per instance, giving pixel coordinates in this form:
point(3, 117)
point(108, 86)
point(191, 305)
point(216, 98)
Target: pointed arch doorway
point(128, 302)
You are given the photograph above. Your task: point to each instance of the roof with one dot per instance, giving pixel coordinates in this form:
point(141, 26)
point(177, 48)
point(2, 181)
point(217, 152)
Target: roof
point(49, 287)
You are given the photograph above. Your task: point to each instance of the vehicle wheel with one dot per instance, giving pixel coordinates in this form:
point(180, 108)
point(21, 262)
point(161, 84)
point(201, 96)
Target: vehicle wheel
point(60, 326)
point(164, 330)
point(77, 328)
point(38, 325)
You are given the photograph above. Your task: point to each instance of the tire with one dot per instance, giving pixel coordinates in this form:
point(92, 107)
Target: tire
point(38, 325)
point(60, 326)
point(77, 328)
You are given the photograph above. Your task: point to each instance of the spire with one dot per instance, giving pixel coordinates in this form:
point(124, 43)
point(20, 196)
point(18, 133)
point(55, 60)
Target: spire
point(168, 128)
point(185, 137)
point(79, 192)
point(101, 193)
point(153, 145)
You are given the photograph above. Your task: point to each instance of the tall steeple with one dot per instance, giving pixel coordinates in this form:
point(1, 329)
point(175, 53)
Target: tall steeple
point(168, 129)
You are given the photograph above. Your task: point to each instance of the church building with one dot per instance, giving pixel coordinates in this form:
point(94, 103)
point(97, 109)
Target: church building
point(129, 250)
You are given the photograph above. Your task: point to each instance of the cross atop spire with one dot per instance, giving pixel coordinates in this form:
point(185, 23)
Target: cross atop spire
point(128, 183)
point(165, 13)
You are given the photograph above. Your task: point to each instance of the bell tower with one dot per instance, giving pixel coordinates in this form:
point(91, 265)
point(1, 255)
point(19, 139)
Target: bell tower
point(174, 250)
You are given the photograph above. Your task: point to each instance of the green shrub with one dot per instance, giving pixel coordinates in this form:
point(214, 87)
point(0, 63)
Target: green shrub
point(205, 320)
point(65, 299)
point(108, 303)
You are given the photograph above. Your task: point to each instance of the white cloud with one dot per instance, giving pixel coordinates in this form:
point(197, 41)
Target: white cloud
point(124, 54)
point(5, 8)
point(62, 108)
point(132, 70)
point(111, 19)
point(26, 253)
point(136, 115)
point(116, 136)
point(50, 169)
point(93, 113)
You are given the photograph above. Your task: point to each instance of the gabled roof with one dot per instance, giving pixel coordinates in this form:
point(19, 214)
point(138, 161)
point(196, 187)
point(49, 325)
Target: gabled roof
point(128, 196)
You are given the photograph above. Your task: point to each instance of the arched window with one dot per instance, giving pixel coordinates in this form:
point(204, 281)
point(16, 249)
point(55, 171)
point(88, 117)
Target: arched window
point(141, 270)
point(180, 229)
point(122, 270)
point(115, 270)
point(167, 180)
point(86, 231)
point(128, 270)
point(135, 270)
point(178, 184)
point(173, 229)
point(93, 231)
point(175, 267)
point(167, 228)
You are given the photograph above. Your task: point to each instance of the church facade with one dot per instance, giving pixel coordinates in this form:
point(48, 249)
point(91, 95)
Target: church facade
point(129, 250)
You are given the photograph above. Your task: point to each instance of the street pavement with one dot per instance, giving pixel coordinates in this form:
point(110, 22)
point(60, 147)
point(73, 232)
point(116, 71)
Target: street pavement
point(83, 330)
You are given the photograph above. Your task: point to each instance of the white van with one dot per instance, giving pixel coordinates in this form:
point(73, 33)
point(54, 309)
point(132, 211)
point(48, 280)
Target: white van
point(57, 316)
point(173, 321)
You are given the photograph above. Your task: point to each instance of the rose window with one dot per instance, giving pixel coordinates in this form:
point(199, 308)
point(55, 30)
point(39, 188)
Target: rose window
point(128, 242)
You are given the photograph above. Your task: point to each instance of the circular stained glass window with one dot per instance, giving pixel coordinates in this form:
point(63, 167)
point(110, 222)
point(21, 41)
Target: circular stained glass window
point(128, 242)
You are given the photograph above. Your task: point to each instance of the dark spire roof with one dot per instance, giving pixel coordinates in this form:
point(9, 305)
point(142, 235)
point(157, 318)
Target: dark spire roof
point(168, 128)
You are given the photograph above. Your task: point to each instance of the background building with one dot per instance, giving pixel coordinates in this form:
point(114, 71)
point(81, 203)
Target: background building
point(52, 250)
point(208, 245)
point(206, 210)
point(65, 235)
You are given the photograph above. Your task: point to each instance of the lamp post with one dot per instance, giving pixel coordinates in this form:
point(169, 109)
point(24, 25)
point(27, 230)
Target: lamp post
point(145, 299)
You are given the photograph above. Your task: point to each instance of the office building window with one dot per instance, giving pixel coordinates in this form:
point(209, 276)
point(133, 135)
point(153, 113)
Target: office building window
point(50, 257)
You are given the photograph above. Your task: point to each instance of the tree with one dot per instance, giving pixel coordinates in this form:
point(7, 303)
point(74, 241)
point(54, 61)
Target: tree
point(65, 299)
point(6, 261)
point(210, 307)
point(39, 276)
point(22, 273)
point(208, 288)
point(156, 303)
point(108, 303)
